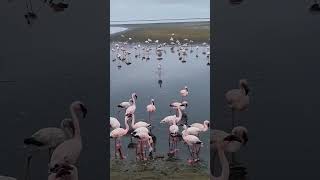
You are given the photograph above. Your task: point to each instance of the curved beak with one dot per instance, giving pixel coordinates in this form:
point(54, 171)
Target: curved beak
point(84, 110)
point(136, 96)
point(232, 138)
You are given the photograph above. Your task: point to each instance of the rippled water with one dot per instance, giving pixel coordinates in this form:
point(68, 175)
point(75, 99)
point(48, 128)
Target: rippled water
point(144, 78)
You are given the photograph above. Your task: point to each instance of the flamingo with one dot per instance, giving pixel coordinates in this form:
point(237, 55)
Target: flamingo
point(140, 130)
point(174, 132)
point(144, 138)
point(239, 133)
point(173, 118)
point(194, 142)
point(65, 172)
point(192, 130)
point(184, 92)
point(131, 109)
point(203, 127)
point(48, 139)
point(220, 146)
point(151, 108)
point(117, 134)
point(139, 123)
point(183, 105)
point(69, 151)
point(238, 99)
point(114, 123)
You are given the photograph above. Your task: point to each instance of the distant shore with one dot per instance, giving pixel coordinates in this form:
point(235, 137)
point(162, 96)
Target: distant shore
point(196, 31)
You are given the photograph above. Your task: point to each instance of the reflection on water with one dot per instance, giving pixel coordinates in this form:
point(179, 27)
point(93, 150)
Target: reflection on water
point(162, 79)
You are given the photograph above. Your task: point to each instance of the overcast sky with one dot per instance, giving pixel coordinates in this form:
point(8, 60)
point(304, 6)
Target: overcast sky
point(123, 10)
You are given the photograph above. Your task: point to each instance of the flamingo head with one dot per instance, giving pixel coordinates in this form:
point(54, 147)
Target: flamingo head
point(186, 88)
point(206, 122)
point(243, 83)
point(135, 95)
point(242, 133)
point(152, 101)
point(80, 107)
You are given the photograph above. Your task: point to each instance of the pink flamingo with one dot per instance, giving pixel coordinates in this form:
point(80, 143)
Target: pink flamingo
point(151, 108)
point(131, 109)
point(138, 124)
point(144, 140)
point(65, 172)
point(117, 134)
point(173, 138)
point(238, 99)
point(69, 151)
point(172, 120)
point(194, 142)
point(184, 92)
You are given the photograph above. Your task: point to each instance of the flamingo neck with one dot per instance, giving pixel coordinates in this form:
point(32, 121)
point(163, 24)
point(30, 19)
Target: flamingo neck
point(205, 127)
point(127, 126)
point(132, 120)
point(133, 99)
point(224, 164)
point(179, 115)
point(75, 121)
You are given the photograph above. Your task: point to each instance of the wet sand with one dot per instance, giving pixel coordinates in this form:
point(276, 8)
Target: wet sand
point(197, 31)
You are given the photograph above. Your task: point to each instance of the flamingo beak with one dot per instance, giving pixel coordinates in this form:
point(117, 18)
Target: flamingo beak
point(245, 138)
point(232, 138)
point(84, 110)
point(136, 96)
point(208, 125)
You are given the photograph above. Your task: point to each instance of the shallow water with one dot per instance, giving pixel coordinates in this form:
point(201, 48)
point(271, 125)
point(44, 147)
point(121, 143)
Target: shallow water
point(143, 77)
point(117, 29)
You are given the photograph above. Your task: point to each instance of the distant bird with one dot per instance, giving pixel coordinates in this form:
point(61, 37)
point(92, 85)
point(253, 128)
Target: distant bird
point(69, 151)
point(238, 99)
point(117, 134)
point(151, 108)
point(184, 92)
point(203, 127)
point(114, 123)
point(132, 108)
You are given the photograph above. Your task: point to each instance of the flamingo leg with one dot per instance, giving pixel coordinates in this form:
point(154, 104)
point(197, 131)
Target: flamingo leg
point(115, 148)
point(27, 170)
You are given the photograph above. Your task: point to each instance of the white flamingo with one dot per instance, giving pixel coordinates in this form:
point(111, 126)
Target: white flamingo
point(117, 134)
point(173, 119)
point(131, 109)
point(114, 123)
point(138, 124)
point(151, 108)
point(238, 99)
point(192, 130)
point(203, 127)
point(69, 151)
point(140, 130)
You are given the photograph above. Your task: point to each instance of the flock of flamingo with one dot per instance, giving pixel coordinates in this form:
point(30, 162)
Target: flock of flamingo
point(64, 145)
point(142, 131)
point(122, 52)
